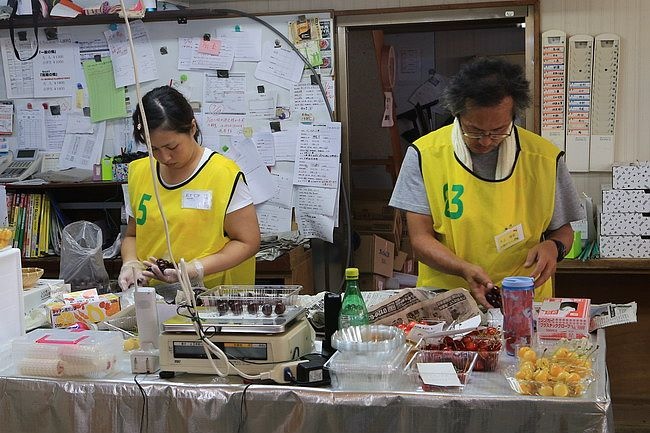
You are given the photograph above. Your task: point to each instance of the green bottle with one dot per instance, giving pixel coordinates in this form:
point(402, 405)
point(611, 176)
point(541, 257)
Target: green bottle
point(353, 309)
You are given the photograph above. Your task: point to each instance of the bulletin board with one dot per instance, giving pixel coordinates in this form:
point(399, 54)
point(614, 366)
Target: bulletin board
point(279, 116)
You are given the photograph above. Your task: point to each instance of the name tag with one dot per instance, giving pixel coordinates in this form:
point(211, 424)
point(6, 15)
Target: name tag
point(196, 199)
point(509, 237)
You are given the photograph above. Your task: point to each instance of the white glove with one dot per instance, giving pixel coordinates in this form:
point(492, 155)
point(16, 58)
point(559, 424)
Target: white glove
point(170, 275)
point(132, 271)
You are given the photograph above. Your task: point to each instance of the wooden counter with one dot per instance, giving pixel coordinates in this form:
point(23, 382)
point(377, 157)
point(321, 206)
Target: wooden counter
point(628, 346)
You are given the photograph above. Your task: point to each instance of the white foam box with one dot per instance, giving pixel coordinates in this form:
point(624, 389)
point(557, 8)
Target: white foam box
point(563, 318)
point(631, 176)
point(624, 247)
point(626, 200)
point(624, 224)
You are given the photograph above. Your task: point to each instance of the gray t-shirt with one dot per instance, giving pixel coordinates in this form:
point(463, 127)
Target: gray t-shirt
point(409, 193)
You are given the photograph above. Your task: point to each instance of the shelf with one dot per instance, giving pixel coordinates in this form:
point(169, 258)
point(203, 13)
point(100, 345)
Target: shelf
point(605, 266)
point(62, 185)
point(180, 16)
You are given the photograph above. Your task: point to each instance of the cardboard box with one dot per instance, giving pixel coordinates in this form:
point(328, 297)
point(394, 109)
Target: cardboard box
point(624, 247)
point(388, 229)
point(82, 306)
point(375, 255)
point(624, 224)
point(563, 318)
point(631, 176)
point(400, 259)
point(372, 282)
point(372, 210)
point(626, 200)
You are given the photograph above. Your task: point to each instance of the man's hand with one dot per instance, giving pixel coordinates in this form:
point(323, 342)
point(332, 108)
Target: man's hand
point(479, 283)
point(544, 257)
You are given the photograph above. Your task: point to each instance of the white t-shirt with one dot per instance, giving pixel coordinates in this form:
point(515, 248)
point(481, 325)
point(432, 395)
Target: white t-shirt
point(240, 198)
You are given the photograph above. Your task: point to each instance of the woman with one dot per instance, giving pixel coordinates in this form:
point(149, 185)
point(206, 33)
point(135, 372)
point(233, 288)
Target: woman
point(207, 204)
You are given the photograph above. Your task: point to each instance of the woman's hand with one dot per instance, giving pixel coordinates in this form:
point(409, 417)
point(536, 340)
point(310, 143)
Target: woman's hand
point(132, 272)
point(171, 275)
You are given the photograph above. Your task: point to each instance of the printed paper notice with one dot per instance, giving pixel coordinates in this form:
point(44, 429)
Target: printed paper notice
point(53, 74)
point(315, 226)
point(19, 76)
point(82, 150)
point(317, 155)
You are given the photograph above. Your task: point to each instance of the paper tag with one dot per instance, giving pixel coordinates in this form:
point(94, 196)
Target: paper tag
point(387, 121)
point(509, 237)
point(438, 374)
point(194, 199)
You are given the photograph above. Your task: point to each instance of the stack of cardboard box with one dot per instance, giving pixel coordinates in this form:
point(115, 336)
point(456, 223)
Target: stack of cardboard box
point(381, 231)
point(624, 221)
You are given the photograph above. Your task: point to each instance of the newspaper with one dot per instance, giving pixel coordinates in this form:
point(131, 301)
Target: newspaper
point(611, 314)
point(408, 305)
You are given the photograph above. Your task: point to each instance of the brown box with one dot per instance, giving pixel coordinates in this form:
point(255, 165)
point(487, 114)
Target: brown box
point(400, 259)
point(388, 229)
point(372, 282)
point(294, 267)
point(375, 255)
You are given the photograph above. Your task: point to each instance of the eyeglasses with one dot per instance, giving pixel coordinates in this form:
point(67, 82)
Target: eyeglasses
point(481, 134)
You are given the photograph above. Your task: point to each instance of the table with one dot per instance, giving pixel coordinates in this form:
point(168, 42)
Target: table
point(194, 403)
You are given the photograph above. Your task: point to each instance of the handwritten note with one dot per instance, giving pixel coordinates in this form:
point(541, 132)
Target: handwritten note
point(279, 65)
point(121, 54)
point(247, 40)
point(273, 219)
point(307, 97)
point(317, 155)
point(222, 124)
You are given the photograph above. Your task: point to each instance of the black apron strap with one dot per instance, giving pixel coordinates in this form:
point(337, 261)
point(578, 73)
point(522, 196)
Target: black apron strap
point(36, 7)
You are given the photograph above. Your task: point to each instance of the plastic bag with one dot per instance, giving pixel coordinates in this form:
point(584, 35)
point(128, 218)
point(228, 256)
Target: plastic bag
point(82, 264)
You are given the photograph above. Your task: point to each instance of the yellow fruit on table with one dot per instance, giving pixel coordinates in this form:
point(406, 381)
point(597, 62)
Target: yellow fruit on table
point(546, 390)
point(573, 378)
point(560, 390)
point(555, 370)
point(541, 376)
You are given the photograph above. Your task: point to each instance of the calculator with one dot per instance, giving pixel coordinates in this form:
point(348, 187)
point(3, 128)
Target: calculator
point(25, 163)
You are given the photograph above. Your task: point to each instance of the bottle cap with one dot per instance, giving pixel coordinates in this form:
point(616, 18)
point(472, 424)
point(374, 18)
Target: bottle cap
point(352, 274)
point(518, 283)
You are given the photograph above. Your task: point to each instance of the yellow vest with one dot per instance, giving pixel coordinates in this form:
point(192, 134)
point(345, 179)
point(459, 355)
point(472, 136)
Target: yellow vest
point(195, 233)
point(469, 212)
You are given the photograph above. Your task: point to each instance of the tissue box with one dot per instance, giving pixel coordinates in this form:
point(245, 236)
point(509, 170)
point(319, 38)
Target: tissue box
point(83, 306)
point(563, 318)
point(629, 247)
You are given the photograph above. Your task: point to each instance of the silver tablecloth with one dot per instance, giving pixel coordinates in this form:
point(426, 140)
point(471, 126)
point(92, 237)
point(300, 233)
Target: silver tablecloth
point(193, 403)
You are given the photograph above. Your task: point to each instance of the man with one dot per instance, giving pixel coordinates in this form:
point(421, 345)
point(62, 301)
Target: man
point(485, 199)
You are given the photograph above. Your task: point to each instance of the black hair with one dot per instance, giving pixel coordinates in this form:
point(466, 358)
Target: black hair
point(484, 82)
point(166, 108)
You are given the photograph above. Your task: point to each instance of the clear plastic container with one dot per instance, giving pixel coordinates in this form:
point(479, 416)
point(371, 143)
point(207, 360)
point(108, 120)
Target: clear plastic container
point(362, 371)
point(368, 338)
point(250, 300)
point(462, 360)
point(67, 353)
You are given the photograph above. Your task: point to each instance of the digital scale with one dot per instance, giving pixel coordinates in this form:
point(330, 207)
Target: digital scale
point(253, 343)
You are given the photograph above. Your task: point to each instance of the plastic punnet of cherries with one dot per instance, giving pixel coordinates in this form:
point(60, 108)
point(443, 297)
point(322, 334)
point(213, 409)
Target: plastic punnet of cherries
point(485, 341)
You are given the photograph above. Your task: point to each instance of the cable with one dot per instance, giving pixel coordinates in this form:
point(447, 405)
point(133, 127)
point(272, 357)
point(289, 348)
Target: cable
point(145, 404)
point(242, 408)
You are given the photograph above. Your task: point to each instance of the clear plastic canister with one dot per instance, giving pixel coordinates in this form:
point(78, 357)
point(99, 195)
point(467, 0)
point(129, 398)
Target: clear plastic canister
point(517, 294)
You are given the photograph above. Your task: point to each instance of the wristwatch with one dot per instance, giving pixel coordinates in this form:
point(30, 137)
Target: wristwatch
point(561, 249)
